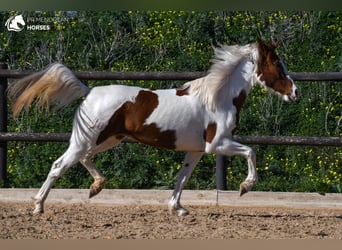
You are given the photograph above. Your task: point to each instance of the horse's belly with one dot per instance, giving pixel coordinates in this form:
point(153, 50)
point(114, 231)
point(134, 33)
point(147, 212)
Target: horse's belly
point(183, 120)
point(171, 139)
point(190, 141)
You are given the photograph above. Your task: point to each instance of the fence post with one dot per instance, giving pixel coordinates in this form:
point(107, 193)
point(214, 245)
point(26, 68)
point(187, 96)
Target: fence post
point(3, 128)
point(221, 172)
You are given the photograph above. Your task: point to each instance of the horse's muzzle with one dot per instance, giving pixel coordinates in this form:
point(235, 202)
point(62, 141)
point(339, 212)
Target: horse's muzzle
point(296, 94)
point(293, 96)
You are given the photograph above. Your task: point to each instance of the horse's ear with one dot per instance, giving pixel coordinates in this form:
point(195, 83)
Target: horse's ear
point(261, 44)
point(275, 44)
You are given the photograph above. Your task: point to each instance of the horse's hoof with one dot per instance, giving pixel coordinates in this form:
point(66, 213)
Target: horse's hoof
point(94, 191)
point(246, 186)
point(38, 206)
point(243, 189)
point(182, 212)
point(38, 211)
point(96, 188)
point(179, 210)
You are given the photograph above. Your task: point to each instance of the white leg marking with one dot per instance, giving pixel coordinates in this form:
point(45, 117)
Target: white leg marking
point(68, 159)
point(190, 161)
point(229, 147)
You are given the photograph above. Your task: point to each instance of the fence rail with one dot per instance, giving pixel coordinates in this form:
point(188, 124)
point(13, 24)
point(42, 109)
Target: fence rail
point(261, 140)
point(166, 75)
point(5, 136)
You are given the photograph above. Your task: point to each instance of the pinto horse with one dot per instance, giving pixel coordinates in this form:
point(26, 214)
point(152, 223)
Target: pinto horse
point(198, 117)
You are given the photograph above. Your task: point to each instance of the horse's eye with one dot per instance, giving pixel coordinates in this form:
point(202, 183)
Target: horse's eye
point(276, 63)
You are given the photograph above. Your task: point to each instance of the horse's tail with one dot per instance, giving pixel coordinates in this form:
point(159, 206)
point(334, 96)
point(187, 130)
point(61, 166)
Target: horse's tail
point(56, 84)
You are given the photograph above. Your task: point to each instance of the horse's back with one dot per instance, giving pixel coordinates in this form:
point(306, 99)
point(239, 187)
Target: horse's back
point(102, 101)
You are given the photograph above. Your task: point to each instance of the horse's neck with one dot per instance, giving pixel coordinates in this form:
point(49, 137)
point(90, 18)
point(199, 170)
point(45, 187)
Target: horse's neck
point(241, 79)
point(217, 90)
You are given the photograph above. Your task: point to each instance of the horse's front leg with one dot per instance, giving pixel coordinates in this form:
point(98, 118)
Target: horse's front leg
point(229, 147)
point(190, 162)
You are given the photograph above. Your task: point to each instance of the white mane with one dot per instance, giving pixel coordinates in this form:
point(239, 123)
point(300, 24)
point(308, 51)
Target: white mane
point(225, 60)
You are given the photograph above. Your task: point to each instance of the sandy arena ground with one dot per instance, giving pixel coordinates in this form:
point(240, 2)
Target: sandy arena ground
point(90, 221)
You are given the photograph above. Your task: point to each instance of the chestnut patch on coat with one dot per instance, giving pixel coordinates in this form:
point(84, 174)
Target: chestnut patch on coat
point(182, 91)
point(210, 132)
point(129, 121)
point(238, 103)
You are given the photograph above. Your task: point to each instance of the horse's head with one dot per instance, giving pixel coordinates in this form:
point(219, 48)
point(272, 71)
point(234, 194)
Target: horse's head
point(272, 73)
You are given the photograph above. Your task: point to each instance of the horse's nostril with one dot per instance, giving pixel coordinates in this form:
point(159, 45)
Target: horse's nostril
point(297, 92)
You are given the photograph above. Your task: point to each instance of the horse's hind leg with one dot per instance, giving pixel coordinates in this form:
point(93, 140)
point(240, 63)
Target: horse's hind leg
point(68, 159)
point(99, 179)
point(190, 162)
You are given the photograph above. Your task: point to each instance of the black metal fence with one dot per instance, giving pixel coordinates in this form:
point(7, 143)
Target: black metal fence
point(5, 136)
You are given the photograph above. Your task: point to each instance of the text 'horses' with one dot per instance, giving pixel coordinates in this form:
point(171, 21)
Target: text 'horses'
point(198, 117)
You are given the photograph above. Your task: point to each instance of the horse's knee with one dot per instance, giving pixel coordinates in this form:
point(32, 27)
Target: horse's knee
point(251, 154)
